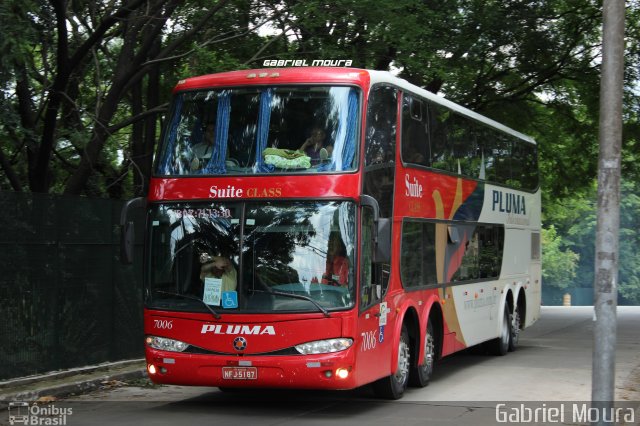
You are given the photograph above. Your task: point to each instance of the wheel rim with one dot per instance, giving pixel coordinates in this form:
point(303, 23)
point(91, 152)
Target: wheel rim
point(505, 329)
point(402, 374)
point(429, 352)
point(515, 325)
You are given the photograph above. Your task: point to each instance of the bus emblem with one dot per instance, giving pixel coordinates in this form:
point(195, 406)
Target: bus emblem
point(239, 343)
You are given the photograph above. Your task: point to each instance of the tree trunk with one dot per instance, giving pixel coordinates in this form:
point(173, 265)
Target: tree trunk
point(153, 100)
point(137, 137)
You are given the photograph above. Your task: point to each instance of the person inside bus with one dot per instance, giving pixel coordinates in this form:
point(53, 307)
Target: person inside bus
point(219, 267)
point(337, 267)
point(314, 148)
point(202, 151)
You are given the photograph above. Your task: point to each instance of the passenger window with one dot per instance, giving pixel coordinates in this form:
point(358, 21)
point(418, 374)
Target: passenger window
point(415, 137)
point(418, 255)
point(442, 157)
point(381, 147)
point(381, 125)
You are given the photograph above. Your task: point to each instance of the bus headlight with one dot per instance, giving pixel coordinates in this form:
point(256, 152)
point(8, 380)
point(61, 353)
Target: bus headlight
point(164, 344)
point(324, 346)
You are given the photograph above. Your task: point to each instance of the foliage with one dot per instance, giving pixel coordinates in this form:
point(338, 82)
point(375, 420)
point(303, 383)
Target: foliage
point(559, 265)
point(575, 228)
point(86, 83)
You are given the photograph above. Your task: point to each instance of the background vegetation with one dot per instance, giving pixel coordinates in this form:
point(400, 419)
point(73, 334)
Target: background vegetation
point(84, 85)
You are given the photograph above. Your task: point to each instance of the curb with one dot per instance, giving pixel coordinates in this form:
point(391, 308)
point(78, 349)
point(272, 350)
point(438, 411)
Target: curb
point(61, 384)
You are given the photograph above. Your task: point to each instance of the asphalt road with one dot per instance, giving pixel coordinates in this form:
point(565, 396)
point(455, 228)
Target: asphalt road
point(550, 371)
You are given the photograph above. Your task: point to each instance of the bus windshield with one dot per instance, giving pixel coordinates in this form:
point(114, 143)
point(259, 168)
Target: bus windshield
point(255, 130)
point(252, 257)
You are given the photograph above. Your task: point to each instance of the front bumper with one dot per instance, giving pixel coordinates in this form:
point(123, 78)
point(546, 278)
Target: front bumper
point(300, 371)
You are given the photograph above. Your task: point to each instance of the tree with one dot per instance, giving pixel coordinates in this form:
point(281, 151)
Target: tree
point(96, 72)
point(559, 264)
point(574, 224)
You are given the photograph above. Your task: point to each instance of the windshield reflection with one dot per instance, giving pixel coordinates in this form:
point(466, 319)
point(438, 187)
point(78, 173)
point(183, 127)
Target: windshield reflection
point(294, 256)
point(244, 131)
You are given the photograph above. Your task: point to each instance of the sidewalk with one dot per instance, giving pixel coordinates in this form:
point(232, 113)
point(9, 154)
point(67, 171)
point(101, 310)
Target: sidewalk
point(60, 384)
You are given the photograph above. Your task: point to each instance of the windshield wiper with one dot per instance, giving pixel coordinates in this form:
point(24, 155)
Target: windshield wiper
point(184, 296)
point(293, 296)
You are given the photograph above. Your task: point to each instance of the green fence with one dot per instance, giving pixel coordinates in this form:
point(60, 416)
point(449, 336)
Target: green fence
point(580, 296)
point(65, 299)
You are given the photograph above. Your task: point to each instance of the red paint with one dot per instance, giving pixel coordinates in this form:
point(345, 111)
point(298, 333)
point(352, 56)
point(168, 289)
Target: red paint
point(425, 206)
point(306, 75)
point(254, 187)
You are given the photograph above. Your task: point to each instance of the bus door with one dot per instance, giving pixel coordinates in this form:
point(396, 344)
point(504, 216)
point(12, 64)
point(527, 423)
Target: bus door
point(374, 320)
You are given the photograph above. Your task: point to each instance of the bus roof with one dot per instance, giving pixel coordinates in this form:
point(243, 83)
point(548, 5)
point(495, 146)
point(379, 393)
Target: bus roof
point(323, 75)
point(332, 75)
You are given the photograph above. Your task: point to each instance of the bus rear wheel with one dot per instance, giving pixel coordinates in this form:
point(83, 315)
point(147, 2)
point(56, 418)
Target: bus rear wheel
point(500, 345)
point(393, 386)
point(421, 374)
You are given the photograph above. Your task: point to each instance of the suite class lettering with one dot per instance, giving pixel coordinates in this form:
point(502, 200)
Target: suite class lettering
point(231, 191)
point(413, 189)
point(264, 192)
point(507, 202)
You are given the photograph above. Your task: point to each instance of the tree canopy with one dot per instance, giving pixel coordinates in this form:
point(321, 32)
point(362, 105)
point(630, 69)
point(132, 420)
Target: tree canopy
point(85, 84)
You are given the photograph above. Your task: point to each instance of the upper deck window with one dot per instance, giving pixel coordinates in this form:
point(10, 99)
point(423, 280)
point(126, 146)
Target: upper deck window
point(437, 137)
point(303, 129)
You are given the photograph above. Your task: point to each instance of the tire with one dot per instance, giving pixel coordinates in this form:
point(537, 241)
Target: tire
point(515, 324)
point(393, 386)
point(421, 374)
point(500, 345)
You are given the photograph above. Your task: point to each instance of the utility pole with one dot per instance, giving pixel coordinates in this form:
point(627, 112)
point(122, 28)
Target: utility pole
point(607, 234)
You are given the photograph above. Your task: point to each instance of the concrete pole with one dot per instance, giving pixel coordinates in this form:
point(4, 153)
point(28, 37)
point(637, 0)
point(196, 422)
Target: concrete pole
point(606, 264)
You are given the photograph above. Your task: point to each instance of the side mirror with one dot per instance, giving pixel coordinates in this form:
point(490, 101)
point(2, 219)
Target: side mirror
point(381, 231)
point(127, 229)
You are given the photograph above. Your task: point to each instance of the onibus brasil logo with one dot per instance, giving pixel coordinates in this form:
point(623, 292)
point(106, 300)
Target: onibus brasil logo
point(23, 413)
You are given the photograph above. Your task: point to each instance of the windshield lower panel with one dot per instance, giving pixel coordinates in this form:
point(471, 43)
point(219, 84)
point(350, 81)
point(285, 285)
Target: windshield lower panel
point(246, 131)
point(252, 257)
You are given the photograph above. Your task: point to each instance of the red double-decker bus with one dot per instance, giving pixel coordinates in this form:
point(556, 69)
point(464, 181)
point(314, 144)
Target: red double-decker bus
point(327, 228)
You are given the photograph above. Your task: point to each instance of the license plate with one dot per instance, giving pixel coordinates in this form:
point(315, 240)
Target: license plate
point(239, 373)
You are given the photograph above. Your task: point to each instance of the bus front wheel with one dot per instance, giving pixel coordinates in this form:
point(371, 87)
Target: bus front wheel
point(393, 386)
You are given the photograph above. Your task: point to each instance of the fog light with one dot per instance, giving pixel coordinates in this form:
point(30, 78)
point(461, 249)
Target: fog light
point(342, 373)
point(152, 369)
point(328, 374)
